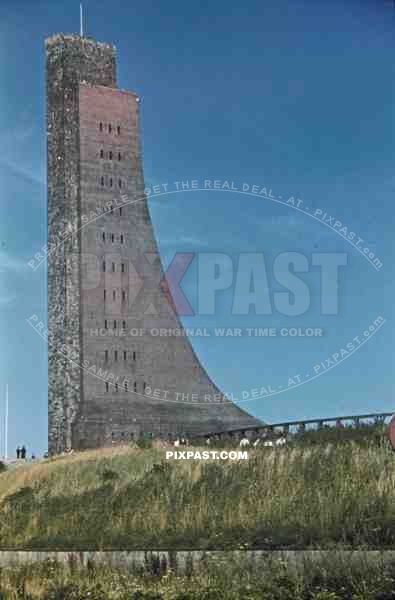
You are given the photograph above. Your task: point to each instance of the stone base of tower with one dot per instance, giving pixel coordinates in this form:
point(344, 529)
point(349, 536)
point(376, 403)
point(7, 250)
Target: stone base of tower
point(96, 428)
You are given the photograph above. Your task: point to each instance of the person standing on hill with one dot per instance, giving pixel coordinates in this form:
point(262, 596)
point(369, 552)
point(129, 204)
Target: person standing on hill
point(18, 452)
point(23, 453)
point(281, 441)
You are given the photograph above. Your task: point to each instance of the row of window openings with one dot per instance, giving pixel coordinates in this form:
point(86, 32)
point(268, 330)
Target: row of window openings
point(110, 181)
point(111, 155)
point(122, 435)
point(111, 236)
point(125, 386)
point(114, 297)
point(109, 128)
point(111, 210)
point(114, 267)
point(115, 324)
point(125, 355)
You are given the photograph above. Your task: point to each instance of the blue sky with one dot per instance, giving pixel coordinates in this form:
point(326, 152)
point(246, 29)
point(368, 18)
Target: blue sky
point(293, 96)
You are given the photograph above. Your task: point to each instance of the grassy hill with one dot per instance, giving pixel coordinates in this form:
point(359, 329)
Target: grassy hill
point(330, 495)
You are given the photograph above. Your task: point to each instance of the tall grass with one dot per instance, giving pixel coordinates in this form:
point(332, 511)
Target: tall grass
point(301, 497)
point(232, 579)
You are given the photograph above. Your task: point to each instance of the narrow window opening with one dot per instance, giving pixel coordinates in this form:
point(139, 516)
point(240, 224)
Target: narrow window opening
point(110, 181)
point(126, 386)
point(115, 354)
point(104, 266)
point(104, 294)
point(109, 128)
point(119, 156)
point(104, 236)
point(124, 326)
point(112, 237)
point(101, 154)
point(135, 386)
point(118, 130)
point(120, 212)
point(116, 387)
point(110, 155)
point(113, 295)
point(115, 324)
point(107, 386)
point(123, 267)
point(113, 267)
point(120, 183)
point(121, 238)
point(106, 354)
point(125, 354)
point(123, 295)
point(101, 126)
point(102, 180)
point(134, 356)
point(105, 323)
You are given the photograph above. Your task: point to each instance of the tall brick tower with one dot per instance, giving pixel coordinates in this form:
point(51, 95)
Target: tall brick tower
point(105, 384)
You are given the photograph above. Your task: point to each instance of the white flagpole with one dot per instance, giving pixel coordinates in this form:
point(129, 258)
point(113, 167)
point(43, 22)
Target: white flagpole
point(1, 439)
point(6, 424)
point(81, 22)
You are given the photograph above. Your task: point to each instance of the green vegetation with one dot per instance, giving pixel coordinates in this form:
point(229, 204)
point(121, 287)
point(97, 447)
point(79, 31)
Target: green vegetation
point(332, 495)
point(267, 578)
point(363, 435)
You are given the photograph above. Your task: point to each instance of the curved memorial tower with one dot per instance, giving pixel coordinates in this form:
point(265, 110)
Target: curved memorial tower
point(104, 271)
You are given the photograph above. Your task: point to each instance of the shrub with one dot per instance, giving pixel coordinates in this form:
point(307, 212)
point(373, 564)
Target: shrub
point(144, 443)
point(109, 476)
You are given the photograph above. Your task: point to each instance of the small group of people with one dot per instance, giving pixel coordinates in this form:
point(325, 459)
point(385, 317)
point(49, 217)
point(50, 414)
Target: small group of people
point(21, 452)
point(181, 442)
point(215, 439)
point(267, 443)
